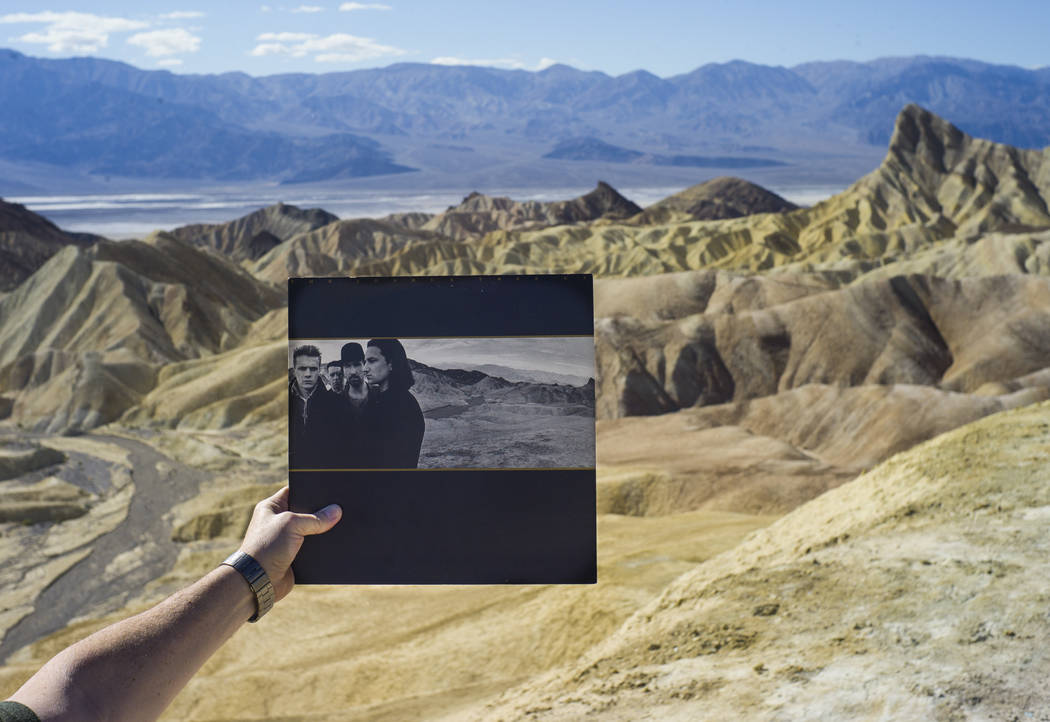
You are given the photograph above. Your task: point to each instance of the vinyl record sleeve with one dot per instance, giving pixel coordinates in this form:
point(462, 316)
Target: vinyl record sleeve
point(452, 418)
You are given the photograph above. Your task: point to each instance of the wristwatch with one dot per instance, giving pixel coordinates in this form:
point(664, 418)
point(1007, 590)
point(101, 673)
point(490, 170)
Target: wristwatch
point(257, 579)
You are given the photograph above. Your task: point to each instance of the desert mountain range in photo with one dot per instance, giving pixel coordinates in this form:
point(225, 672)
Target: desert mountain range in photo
point(82, 123)
point(822, 450)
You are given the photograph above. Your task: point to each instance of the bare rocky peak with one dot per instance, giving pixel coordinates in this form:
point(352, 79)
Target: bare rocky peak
point(412, 220)
point(934, 174)
point(603, 202)
point(254, 235)
point(16, 218)
point(162, 299)
point(437, 387)
point(478, 214)
point(921, 138)
point(337, 249)
point(82, 339)
point(27, 240)
point(722, 197)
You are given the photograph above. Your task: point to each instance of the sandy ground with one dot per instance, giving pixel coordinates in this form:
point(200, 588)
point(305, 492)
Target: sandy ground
point(901, 594)
point(367, 652)
point(494, 436)
point(916, 592)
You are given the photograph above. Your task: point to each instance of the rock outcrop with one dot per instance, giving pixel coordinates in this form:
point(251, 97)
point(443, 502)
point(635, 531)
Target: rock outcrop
point(955, 335)
point(713, 200)
point(479, 214)
point(81, 339)
point(435, 388)
point(337, 249)
point(27, 240)
point(254, 235)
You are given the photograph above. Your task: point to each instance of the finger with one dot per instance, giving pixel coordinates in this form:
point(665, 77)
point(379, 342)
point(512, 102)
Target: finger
point(279, 501)
point(322, 521)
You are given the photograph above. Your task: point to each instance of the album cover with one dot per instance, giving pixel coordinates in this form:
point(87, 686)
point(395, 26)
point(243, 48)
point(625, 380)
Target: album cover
point(452, 418)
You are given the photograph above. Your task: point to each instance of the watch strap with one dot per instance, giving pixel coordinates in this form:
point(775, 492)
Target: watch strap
point(257, 579)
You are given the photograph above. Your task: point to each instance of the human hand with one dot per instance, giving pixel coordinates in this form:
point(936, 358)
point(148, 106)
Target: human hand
point(275, 535)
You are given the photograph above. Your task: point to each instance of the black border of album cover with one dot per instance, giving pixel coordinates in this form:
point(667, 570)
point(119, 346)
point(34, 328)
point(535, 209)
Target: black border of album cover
point(500, 488)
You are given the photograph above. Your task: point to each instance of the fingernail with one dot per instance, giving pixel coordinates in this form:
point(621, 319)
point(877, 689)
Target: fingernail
point(330, 512)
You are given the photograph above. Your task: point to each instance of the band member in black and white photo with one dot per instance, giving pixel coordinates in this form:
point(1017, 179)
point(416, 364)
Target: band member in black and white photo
point(315, 412)
point(335, 376)
point(355, 389)
point(393, 420)
point(350, 445)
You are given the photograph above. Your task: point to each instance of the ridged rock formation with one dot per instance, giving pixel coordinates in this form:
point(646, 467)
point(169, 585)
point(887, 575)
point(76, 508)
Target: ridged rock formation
point(956, 335)
point(713, 200)
point(336, 249)
point(772, 454)
point(81, 340)
point(802, 385)
point(27, 240)
point(243, 386)
point(712, 338)
point(479, 214)
point(936, 184)
point(254, 235)
point(455, 387)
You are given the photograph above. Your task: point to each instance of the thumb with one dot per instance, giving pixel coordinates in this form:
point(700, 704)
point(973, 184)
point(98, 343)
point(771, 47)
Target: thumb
point(318, 523)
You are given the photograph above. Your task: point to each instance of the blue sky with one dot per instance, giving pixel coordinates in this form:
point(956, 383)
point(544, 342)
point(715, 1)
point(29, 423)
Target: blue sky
point(664, 37)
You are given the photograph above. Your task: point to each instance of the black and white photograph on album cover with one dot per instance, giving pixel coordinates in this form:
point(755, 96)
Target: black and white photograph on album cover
point(441, 403)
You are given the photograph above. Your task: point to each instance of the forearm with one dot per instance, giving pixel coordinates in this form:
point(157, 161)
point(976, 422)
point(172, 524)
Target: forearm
point(133, 669)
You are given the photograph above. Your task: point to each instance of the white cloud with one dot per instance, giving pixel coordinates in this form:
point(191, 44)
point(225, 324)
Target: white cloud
point(308, 9)
point(159, 43)
point(264, 49)
point(350, 7)
point(293, 44)
point(182, 15)
point(336, 48)
point(72, 32)
point(169, 62)
point(510, 63)
point(286, 37)
point(265, 9)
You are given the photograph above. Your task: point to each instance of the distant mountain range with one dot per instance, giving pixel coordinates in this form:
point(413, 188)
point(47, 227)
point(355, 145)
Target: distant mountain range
point(105, 118)
point(437, 388)
point(528, 375)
